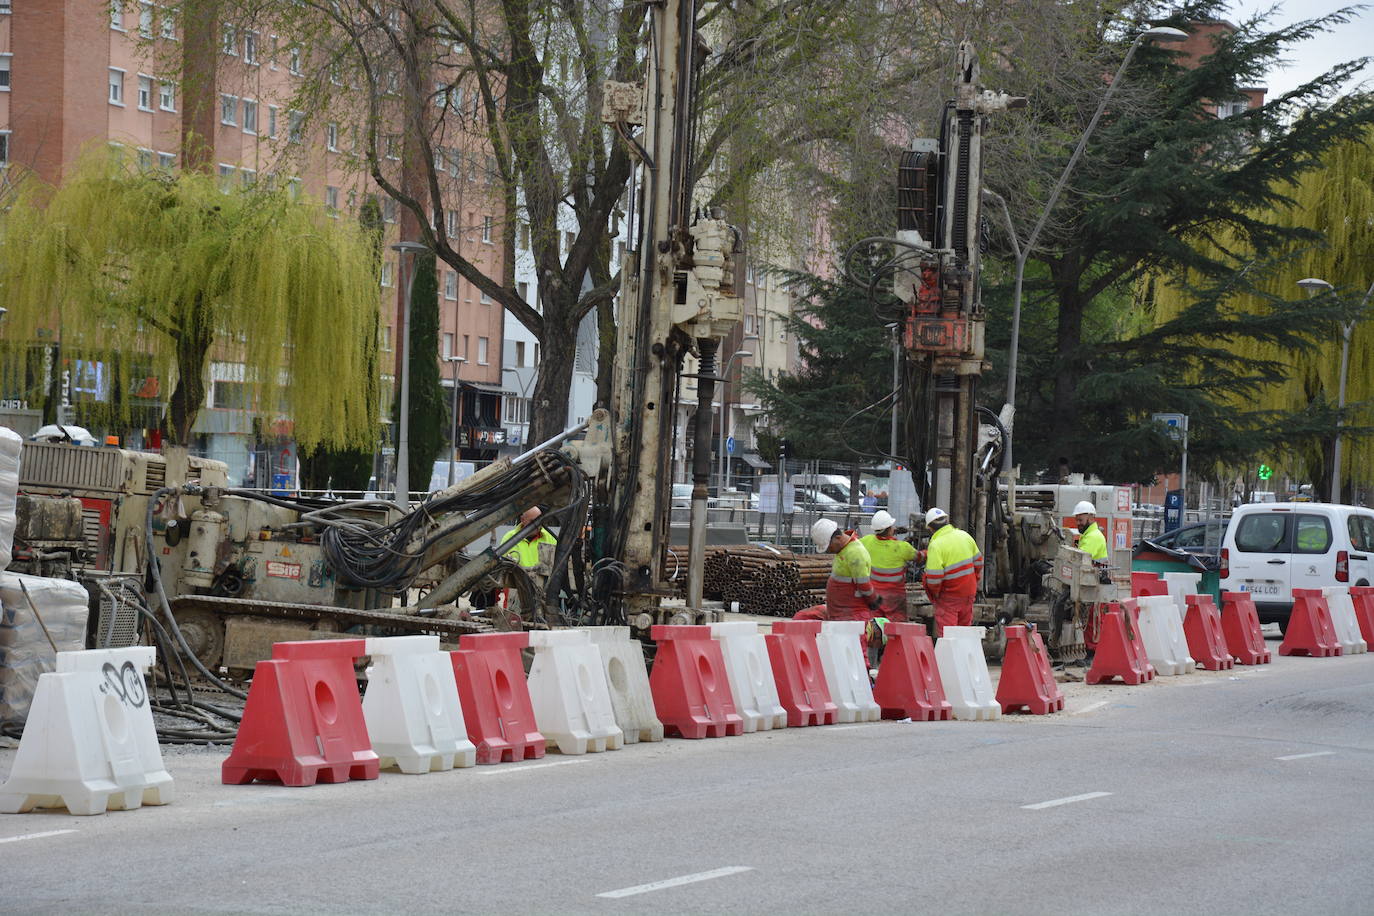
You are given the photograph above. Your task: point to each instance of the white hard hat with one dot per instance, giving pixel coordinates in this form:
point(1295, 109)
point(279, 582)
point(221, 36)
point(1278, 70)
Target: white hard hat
point(936, 514)
point(822, 532)
point(881, 521)
point(1084, 507)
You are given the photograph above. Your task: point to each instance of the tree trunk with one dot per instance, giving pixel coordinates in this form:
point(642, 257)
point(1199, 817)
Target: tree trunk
point(608, 339)
point(1068, 341)
point(549, 403)
point(193, 347)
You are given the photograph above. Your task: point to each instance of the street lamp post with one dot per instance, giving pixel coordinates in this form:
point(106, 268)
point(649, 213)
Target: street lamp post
point(524, 394)
point(1315, 285)
point(724, 414)
point(895, 328)
point(456, 362)
point(402, 493)
point(1157, 34)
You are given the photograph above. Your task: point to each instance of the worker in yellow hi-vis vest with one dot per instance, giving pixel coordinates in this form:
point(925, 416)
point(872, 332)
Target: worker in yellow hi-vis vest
point(890, 556)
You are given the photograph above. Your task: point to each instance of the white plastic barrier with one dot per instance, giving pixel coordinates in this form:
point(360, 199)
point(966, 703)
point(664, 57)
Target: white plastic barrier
point(1161, 627)
point(622, 660)
point(1343, 616)
point(846, 670)
point(89, 744)
point(25, 653)
point(411, 706)
point(568, 690)
point(11, 444)
point(750, 674)
point(964, 673)
point(1181, 585)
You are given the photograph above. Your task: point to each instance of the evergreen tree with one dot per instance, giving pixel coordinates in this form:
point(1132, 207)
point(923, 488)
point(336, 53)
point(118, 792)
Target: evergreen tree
point(429, 410)
point(1162, 177)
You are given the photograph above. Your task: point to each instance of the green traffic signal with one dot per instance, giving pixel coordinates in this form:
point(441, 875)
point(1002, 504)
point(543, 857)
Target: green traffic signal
point(1265, 472)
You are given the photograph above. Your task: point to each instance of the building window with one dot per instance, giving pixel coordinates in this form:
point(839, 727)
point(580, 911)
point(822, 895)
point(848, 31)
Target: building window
point(386, 273)
point(448, 346)
point(5, 72)
point(5, 7)
point(248, 177)
point(167, 96)
point(331, 201)
point(331, 136)
point(145, 93)
point(386, 337)
point(452, 223)
point(392, 147)
point(295, 127)
point(440, 161)
point(524, 233)
point(116, 87)
point(486, 229)
point(145, 159)
point(226, 177)
point(272, 50)
point(250, 116)
point(486, 300)
point(481, 351)
point(229, 40)
point(293, 188)
point(450, 285)
point(228, 109)
point(169, 24)
point(145, 19)
point(116, 14)
point(519, 354)
point(568, 239)
point(272, 121)
point(295, 61)
point(4, 148)
point(250, 48)
point(464, 354)
point(166, 161)
point(388, 210)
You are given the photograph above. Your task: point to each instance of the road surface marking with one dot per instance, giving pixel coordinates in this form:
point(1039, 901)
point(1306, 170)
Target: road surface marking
point(1056, 802)
point(33, 836)
point(525, 769)
point(1091, 707)
point(842, 728)
point(258, 798)
point(1302, 756)
point(677, 882)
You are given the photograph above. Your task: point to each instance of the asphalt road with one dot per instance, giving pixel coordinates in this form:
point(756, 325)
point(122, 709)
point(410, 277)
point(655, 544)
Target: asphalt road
point(1235, 792)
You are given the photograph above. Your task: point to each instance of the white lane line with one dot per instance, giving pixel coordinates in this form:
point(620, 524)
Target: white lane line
point(494, 770)
point(1056, 802)
point(842, 728)
point(1091, 707)
point(33, 836)
point(1302, 756)
point(677, 882)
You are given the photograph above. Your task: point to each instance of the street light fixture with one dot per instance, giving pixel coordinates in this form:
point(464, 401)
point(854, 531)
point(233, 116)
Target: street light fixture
point(456, 362)
point(1315, 286)
point(403, 434)
point(1162, 34)
point(724, 414)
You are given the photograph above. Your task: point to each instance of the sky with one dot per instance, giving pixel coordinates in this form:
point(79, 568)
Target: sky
point(1312, 58)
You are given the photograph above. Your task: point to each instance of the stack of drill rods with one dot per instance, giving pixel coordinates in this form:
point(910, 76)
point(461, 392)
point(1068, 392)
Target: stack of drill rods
point(765, 582)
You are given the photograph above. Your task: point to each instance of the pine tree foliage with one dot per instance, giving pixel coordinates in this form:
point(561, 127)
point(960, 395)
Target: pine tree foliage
point(1336, 201)
point(837, 406)
point(118, 261)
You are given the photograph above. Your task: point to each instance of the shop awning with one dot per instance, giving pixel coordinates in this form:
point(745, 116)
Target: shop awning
point(755, 460)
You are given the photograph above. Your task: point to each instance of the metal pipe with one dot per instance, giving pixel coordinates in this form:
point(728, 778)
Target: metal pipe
point(552, 441)
point(1348, 332)
point(701, 470)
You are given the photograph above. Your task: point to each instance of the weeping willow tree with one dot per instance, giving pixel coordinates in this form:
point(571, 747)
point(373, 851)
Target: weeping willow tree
point(166, 271)
point(1337, 201)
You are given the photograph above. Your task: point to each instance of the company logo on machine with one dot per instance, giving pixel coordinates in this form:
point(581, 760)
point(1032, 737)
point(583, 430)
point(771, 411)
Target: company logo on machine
point(283, 570)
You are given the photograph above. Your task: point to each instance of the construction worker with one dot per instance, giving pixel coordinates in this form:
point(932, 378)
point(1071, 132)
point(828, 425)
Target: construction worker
point(954, 564)
point(849, 592)
point(889, 555)
point(526, 550)
point(1091, 542)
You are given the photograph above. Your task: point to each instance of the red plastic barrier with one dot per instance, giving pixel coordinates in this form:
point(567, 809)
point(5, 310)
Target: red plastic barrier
point(690, 687)
point(1120, 650)
point(1206, 641)
point(1310, 629)
point(797, 670)
point(1241, 626)
point(1362, 596)
point(908, 685)
point(496, 698)
point(1145, 584)
point(1027, 681)
point(304, 718)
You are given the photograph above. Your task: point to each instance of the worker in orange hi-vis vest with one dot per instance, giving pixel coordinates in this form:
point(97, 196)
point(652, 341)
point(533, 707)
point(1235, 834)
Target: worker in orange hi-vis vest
point(954, 565)
point(849, 592)
point(889, 555)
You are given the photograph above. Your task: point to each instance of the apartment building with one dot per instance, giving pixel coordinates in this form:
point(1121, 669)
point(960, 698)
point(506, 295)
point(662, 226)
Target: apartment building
point(77, 73)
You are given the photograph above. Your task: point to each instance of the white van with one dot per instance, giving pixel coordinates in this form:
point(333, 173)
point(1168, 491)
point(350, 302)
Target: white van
point(1272, 548)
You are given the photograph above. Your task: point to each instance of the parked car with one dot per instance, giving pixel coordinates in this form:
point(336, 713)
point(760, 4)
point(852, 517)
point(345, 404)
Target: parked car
point(1201, 538)
point(1272, 548)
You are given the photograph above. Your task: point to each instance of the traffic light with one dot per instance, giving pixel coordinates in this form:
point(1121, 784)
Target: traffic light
point(784, 449)
point(1265, 472)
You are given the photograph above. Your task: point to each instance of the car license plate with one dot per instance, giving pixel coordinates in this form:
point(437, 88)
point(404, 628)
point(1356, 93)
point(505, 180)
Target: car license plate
point(1261, 588)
